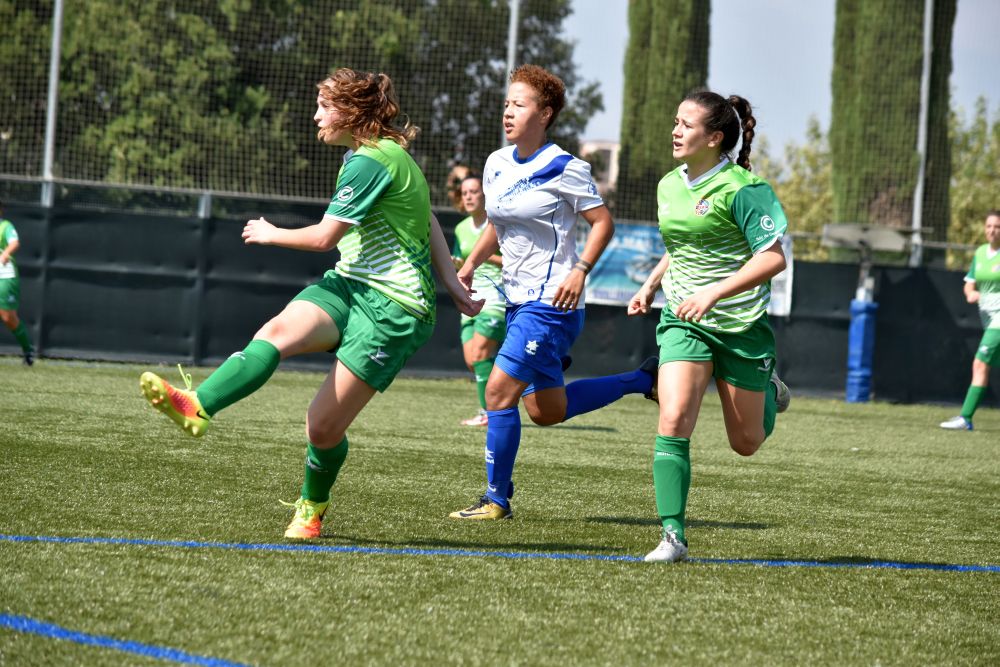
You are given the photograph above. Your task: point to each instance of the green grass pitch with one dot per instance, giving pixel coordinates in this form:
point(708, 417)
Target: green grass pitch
point(83, 456)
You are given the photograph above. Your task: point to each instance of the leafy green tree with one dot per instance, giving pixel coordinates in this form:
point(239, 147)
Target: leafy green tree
point(803, 183)
point(24, 64)
point(221, 95)
point(667, 56)
point(975, 175)
point(878, 55)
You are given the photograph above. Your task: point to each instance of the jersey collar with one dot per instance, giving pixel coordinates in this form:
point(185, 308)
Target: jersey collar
point(531, 157)
point(704, 177)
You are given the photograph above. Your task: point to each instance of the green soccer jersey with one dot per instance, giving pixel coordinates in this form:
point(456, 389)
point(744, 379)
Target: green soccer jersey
point(711, 227)
point(7, 235)
point(487, 278)
point(985, 271)
point(383, 194)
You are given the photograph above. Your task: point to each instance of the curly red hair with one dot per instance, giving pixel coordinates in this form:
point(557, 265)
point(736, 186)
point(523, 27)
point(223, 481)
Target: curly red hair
point(550, 88)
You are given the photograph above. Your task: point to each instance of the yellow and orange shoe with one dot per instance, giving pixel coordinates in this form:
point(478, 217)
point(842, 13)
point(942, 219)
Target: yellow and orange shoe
point(181, 405)
point(307, 523)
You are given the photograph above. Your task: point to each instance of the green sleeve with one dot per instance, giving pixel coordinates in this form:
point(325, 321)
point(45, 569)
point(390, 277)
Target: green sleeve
point(361, 183)
point(758, 213)
point(456, 247)
point(971, 275)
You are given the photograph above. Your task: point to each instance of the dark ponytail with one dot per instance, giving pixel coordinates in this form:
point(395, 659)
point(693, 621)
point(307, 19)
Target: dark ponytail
point(732, 116)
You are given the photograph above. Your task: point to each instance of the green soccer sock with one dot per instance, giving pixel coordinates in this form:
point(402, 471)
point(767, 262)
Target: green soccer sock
point(322, 466)
point(770, 408)
point(482, 369)
point(22, 336)
point(671, 480)
point(972, 398)
point(240, 375)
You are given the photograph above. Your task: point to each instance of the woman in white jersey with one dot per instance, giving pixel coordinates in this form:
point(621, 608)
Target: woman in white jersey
point(722, 228)
point(982, 287)
point(535, 191)
point(481, 335)
point(375, 308)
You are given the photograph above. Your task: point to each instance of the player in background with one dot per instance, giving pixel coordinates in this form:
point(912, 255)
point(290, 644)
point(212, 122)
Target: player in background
point(10, 288)
point(375, 308)
point(982, 287)
point(453, 185)
point(722, 228)
point(481, 335)
point(535, 191)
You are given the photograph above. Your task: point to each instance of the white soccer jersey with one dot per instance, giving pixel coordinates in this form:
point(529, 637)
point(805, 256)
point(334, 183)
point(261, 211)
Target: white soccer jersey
point(534, 203)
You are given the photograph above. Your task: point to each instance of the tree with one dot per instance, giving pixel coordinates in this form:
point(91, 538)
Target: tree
point(878, 54)
point(975, 175)
point(803, 183)
point(667, 57)
point(24, 54)
point(221, 95)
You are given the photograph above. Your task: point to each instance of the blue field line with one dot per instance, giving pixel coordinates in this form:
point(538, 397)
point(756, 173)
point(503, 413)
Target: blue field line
point(542, 555)
point(35, 627)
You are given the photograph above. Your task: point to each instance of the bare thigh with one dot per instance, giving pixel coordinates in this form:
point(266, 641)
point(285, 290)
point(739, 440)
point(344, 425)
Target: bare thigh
point(300, 328)
point(681, 387)
point(743, 411)
point(338, 402)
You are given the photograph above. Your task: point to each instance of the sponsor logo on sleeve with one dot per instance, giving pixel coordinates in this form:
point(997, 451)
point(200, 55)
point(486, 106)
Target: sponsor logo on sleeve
point(766, 223)
point(345, 193)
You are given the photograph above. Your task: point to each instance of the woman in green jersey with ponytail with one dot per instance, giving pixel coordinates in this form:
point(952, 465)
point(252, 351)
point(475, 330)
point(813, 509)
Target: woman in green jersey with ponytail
point(375, 308)
point(722, 228)
point(982, 287)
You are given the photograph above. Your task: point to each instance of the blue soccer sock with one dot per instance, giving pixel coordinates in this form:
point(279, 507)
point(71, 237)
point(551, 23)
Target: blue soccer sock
point(588, 395)
point(503, 436)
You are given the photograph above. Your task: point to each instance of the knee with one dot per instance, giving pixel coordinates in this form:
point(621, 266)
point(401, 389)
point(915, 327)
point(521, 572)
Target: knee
point(9, 318)
point(324, 434)
point(980, 373)
point(746, 442)
point(675, 424)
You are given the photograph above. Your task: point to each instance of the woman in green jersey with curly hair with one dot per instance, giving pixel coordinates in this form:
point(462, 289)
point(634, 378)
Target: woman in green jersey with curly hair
point(375, 308)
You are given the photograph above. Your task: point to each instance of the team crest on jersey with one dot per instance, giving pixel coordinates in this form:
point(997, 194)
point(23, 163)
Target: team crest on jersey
point(766, 223)
point(531, 347)
point(345, 193)
point(701, 208)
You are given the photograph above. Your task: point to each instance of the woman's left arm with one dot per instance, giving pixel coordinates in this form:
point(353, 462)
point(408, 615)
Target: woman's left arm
point(602, 228)
point(445, 268)
point(759, 269)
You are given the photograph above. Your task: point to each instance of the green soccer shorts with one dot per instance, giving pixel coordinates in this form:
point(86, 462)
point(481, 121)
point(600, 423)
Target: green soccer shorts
point(10, 293)
point(491, 324)
point(988, 351)
point(744, 359)
point(377, 335)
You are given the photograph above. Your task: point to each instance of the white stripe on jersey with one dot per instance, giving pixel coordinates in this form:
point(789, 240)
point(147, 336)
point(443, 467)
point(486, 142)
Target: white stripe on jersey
point(534, 204)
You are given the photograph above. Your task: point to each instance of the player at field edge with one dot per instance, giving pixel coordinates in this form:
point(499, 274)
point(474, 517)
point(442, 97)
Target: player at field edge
point(481, 335)
point(375, 308)
point(722, 228)
point(535, 192)
point(10, 288)
point(982, 287)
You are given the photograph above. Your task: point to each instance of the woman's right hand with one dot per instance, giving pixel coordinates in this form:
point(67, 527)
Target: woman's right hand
point(465, 275)
point(641, 301)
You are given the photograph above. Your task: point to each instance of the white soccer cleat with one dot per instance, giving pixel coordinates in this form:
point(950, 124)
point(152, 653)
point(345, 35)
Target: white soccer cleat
point(958, 423)
point(669, 550)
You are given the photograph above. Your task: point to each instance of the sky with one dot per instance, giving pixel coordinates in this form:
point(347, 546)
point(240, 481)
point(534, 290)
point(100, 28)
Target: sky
point(788, 77)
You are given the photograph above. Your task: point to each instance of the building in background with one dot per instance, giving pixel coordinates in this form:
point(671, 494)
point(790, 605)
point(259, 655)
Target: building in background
point(603, 159)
